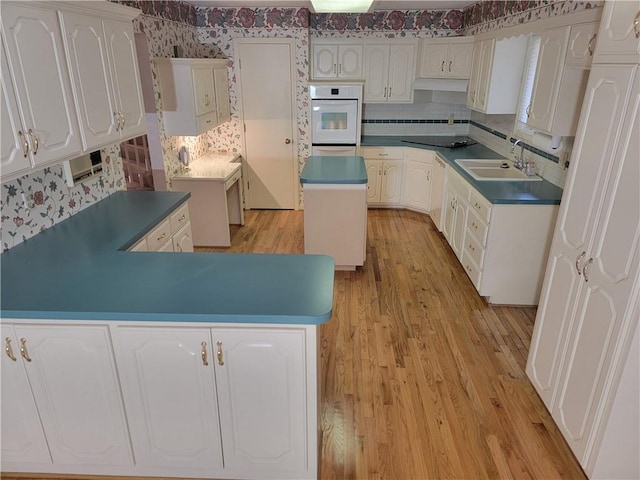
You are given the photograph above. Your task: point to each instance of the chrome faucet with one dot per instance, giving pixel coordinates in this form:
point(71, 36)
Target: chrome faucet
point(520, 163)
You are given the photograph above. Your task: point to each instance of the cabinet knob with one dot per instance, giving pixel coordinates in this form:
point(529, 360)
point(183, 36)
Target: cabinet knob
point(203, 354)
point(8, 350)
point(34, 141)
point(219, 353)
point(287, 141)
point(23, 349)
point(25, 144)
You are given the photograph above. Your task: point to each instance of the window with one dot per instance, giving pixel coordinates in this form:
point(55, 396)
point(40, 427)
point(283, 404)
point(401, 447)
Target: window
point(529, 76)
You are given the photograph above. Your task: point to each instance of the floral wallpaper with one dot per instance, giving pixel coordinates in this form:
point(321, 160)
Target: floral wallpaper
point(412, 22)
point(176, 11)
point(35, 202)
point(487, 15)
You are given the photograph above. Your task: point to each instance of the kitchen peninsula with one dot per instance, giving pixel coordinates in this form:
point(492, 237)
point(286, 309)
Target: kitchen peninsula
point(158, 364)
point(335, 208)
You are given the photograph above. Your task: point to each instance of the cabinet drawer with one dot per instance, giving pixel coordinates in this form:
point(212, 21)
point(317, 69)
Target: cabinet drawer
point(160, 235)
point(140, 246)
point(474, 249)
point(477, 227)
point(234, 178)
point(382, 153)
point(207, 121)
point(480, 205)
point(419, 155)
point(460, 185)
point(179, 218)
point(473, 271)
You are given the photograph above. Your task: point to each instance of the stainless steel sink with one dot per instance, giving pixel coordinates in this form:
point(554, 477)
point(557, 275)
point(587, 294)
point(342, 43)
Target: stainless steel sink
point(495, 170)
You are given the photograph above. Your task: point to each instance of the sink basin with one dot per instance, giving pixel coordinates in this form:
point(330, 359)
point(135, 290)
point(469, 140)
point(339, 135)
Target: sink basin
point(495, 170)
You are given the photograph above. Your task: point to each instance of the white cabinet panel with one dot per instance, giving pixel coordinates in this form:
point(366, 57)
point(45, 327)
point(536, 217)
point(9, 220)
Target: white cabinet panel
point(434, 59)
point(75, 386)
point(389, 71)
point(460, 55)
point(350, 61)
point(23, 439)
point(333, 60)
point(324, 61)
point(262, 398)
point(170, 396)
point(401, 73)
point(582, 44)
point(417, 187)
point(376, 72)
point(223, 106)
point(35, 51)
point(619, 34)
point(446, 58)
point(374, 180)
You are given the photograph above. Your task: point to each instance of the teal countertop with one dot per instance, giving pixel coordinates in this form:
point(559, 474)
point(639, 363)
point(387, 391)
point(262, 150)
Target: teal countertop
point(522, 193)
point(79, 270)
point(334, 170)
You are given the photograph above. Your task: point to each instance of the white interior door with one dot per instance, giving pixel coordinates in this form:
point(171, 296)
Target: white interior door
point(267, 96)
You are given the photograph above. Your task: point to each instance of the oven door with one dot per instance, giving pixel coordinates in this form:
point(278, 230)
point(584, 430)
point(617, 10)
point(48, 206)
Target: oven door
point(334, 122)
point(333, 150)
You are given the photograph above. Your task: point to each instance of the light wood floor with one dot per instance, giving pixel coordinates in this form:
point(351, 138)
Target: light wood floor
point(421, 379)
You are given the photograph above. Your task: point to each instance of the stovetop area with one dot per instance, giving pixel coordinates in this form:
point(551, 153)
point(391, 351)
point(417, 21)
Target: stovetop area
point(441, 141)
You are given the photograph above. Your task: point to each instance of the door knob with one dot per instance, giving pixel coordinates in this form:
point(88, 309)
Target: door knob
point(287, 141)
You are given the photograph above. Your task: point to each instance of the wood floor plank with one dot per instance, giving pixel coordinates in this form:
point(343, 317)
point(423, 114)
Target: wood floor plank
point(420, 378)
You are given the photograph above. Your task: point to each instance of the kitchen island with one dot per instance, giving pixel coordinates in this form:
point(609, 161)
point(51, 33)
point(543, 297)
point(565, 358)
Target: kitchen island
point(335, 209)
point(158, 364)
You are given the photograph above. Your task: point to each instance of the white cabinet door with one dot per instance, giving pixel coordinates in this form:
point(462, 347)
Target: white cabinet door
point(391, 183)
point(350, 61)
point(14, 157)
point(223, 106)
point(204, 90)
point(75, 386)
point(417, 187)
point(261, 381)
point(449, 217)
point(459, 226)
point(89, 66)
point(603, 108)
point(170, 393)
point(374, 180)
point(376, 72)
point(125, 76)
point(435, 58)
point(484, 77)
point(582, 44)
point(474, 77)
point(553, 47)
point(459, 63)
point(324, 61)
point(610, 271)
point(436, 210)
point(619, 35)
point(43, 88)
point(23, 439)
point(183, 239)
point(402, 70)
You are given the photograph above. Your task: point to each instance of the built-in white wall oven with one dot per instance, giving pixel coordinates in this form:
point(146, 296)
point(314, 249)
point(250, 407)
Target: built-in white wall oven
point(335, 118)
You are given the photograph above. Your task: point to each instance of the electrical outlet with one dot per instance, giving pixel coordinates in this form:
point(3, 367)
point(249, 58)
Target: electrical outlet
point(451, 119)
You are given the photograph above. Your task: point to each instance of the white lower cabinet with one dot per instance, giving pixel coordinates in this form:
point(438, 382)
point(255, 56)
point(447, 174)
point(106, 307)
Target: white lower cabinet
point(23, 438)
point(232, 400)
point(172, 234)
point(385, 167)
point(417, 183)
point(503, 248)
point(74, 385)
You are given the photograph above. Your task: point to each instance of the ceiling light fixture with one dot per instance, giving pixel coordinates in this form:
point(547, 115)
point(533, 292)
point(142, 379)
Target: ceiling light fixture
point(341, 6)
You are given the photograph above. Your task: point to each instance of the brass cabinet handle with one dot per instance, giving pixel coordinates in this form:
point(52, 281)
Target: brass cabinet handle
point(23, 349)
point(390, 91)
point(8, 350)
point(340, 70)
point(34, 140)
point(450, 63)
point(590, 44)
point(471, 248)
point(161, 236)
point(219, 353)
point(579, 260)
point(442, 66)
point(124, 120)
point(385, 92)
point(528, 111)
point(585, 269)
point(203, 354)
point(473, 224)
point(117, 117)
point(636, 21)
point(335, 68)
point(25, 144)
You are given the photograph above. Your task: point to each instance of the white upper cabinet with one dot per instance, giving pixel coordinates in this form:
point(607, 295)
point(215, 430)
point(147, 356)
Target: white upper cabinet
point(34, 48)
point(619, 34)
point(389, 71)
point(446, 58)
point(496, 74)
point(561, 78)
point(58, 102)
point(332, 60)
point(195, 94)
